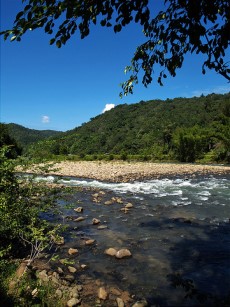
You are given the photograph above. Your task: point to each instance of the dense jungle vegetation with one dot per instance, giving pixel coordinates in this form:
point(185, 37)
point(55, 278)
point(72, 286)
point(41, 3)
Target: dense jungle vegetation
point(181, 129)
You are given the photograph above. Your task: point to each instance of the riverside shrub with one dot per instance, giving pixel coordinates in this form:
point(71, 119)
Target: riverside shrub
point(20, 206)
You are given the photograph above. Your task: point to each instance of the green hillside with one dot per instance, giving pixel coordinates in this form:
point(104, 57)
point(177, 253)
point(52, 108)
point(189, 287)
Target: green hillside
point(184, 129)
point(25, 136)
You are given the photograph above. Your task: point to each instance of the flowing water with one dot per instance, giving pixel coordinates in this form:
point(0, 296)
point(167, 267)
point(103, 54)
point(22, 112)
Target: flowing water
point(177, 231)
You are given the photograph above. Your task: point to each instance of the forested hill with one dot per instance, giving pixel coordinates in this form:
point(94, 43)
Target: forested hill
point(25, 136)
point(182, 129)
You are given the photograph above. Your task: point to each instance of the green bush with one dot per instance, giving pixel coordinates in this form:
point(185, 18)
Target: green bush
point(20, 206)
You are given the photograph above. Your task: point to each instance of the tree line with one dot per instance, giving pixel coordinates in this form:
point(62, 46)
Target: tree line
point(180, 129)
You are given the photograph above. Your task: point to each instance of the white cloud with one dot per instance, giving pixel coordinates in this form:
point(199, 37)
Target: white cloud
point(108, 107)
point(45, 119)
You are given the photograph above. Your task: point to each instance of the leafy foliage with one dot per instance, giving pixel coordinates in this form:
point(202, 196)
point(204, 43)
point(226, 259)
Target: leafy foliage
point(6, 139)
point(183, 129)
point(20, 206)
point(183, 27)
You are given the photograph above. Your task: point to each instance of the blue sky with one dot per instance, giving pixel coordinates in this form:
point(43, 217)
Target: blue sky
point(43, 87)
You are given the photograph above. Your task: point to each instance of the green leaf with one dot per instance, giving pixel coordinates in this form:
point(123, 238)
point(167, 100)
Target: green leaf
point(52, 41)
point(117, 28)
point(103, 22)
point(13, 38)
point(19, 15)
point(58, 44)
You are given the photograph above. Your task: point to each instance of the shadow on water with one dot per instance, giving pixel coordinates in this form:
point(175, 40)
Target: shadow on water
point(199, 263)
point(177, 259)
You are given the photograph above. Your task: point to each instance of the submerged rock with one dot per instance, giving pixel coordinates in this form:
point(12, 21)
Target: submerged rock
point(78, 209)
point(59, 240)
point(102, 227)
point(125, 210)
point(129, 205)
point(79, 219)
point(119, 200)
point(122, 253)
point(141, 303)
point(89, 242)
point(108, 202)
point(95, 221)
point(72, 251)
point(83, 266)
point(111, 251)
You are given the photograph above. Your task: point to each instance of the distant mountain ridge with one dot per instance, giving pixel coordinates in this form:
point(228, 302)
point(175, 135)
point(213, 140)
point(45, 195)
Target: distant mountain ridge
point(185, 129)
point(26, 136)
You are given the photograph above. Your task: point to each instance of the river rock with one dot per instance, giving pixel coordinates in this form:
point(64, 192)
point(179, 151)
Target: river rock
point(95, 221)
point(79, 287)
point(55, 280)
point(60, 271)
point(56, 275)
point(119, 200)
point(111, 251)
point(120, 302)
point(73, 302)
point(79, 219)
point(102, 227)
point(96, 195)
point(108, 202)
point(59, 240)
point(83, 266)
point(72, 269)
point(34, 293)
point(21, 269)
point(89, 242)
point(74, 292)
point(102, 294)
point(58, 293)
point(141, 303)
point(69, 277)
point(128, 205)
point(115, 291)
point(122, 253)
point(43, 276)
point(72, 251)
point(78, 209)
point(125, 210)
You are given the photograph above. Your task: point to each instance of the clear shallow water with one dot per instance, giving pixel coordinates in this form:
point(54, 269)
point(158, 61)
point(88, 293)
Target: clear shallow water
point(177, 227)
point(207, 197)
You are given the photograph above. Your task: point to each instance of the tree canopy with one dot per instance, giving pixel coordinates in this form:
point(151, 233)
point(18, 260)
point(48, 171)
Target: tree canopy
point(184, 26)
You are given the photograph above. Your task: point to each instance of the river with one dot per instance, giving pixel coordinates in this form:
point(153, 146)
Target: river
point(177, 230)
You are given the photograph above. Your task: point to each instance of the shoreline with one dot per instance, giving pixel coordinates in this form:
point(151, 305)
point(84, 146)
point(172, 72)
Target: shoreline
point(122, 171)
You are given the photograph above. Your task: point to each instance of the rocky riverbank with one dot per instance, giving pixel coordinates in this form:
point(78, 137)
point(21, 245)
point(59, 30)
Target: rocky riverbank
point(117, 171)
point(102, 225)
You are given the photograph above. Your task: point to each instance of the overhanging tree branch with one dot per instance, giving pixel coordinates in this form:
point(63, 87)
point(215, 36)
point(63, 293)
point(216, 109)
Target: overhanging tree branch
point(180, 29)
